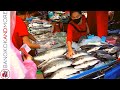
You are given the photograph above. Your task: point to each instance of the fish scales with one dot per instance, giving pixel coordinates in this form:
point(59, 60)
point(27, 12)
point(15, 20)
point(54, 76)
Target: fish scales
point(55, 65)
point(83, 59)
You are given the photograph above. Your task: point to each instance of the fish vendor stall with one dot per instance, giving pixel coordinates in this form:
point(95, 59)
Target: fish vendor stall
point(94, 56)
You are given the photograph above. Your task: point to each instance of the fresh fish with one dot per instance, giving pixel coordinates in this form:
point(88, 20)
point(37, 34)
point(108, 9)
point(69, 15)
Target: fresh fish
point(63, 72)
point(93, 53)
point(106, 46)
point(101, 52)
point(105, 56)
point(87, 47)
point(87, 64)
point(93, 49)
point(50, 54)
point(113, 50)
point(82, 59)
point(79, 54)
point(47, 61)
point(55, 65)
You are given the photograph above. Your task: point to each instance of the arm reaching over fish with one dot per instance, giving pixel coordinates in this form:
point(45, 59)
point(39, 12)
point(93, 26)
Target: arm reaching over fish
point(70, 50)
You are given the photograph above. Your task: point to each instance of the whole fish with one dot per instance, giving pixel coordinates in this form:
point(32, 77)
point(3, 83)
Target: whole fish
point(63, 72)
point(79, 54)
point(93, 49)
point(87, 64)
point(55, 65)
point(50, 61)
point(47, 61)
point(101, 52)
point(87, 47)
point(105, 57)
point(50, 54)
point(106, 46)
point(112, 50)
point(82, 59)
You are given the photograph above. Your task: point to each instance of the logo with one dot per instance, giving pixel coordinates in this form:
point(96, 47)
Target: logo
point(5, 74)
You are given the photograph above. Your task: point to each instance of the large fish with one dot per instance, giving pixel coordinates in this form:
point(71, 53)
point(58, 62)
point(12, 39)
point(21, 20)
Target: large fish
point(47, 61)
point(87, 64)
point(50, 61)
point(63, 72)
point(94, 49)
point(82, 59)
point(104, 57)
point(81, 53)
point(87, 47)
point(51, 54)
point(77, 54)
point(55, 65)
point(112, 50)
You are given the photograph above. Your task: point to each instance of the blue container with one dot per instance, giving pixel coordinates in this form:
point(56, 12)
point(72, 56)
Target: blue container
point(113, 73)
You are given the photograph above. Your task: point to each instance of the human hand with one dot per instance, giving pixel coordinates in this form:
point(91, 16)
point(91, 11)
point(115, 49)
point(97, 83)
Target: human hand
point(70, 54)
point(28, 57)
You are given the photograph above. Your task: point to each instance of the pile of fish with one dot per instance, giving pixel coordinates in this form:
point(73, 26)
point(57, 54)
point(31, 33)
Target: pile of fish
point(57, 40)
point(50, 54)
point(55, 65)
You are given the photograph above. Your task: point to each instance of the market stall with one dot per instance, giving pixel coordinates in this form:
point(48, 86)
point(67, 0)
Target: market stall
point(92, 55)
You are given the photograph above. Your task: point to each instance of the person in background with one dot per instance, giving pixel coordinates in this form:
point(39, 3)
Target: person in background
point(21, 35)
point(20, 68)
point(77, 28)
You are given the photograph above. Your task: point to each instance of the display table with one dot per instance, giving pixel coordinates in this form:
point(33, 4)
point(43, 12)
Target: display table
point(93, 70)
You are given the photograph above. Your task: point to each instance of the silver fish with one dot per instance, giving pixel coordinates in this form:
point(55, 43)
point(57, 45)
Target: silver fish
point(41, 64)
point(82, 59)
point(51, 54)
point(55, 65)
point(63, 72)
point(46, 61)
point(86, 64)
point(93, 49)
point(79, 54)
point(49, 61)
point(112, 50)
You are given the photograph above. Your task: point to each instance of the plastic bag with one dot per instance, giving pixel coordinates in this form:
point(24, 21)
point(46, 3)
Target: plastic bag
point(18, 68)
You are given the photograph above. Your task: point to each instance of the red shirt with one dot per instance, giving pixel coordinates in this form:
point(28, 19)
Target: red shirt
point(74, 35)
point(19, 31)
